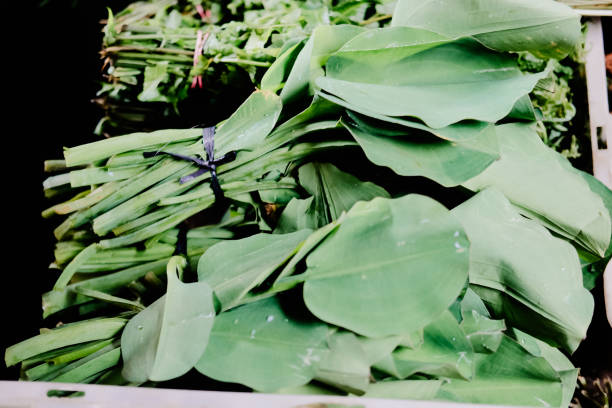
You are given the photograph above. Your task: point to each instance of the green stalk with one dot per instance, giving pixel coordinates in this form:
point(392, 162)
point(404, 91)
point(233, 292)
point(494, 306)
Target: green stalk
point(103, 149)
point(80, 352)
point(44, 370)
point(144, 220)
point(90, 199)
point(82, 369)
point(100, 175)
point(131, 188)
point(88, 330)
point(57, 300)
point(105, 297)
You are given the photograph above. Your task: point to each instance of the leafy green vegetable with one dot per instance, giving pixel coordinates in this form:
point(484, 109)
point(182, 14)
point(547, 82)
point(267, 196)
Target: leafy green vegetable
point(354, 292)
point(166, 339)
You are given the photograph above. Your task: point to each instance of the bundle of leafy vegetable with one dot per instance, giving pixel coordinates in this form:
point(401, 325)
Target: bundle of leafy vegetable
point(392, 226)
point(149, 47)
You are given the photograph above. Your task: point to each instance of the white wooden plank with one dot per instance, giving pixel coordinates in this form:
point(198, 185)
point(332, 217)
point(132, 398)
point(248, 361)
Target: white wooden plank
point(594, 13)
point(599, 114)
point(34, 395)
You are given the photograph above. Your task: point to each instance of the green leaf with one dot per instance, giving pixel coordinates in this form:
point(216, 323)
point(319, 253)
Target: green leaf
point(510, 376)
point(391, 44)
point(598, 188)
point(557, 360)
point(66, 335)
point(346, 366)
point(233, 268)
point(165, 340)
point(546, 28)
point(154, 76)
point(377, 349)
point(249, 124)
point(544, 187)
point(275, 76)
point(446, 352)
point(454, 133)
point(484, 334)
point(262, 347)
point(410, 152)
point(306, 247)
point(333, 192)
point(377, 273)
point(338, 190)
point(523, 273)
point(441, 86)
point(324, 41)
point(298, 215)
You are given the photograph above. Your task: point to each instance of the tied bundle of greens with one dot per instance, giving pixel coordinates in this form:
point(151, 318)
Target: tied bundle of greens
point(158, 54)
point(334, 264)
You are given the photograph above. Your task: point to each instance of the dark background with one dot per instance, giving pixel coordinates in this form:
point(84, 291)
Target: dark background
point(51, 72)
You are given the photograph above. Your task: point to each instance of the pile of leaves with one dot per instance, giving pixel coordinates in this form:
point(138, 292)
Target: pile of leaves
point(152, 80)
point(390, 225)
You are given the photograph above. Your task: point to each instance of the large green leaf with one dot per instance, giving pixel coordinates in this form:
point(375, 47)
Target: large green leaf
point(390, 44)
point(545, 187)
point(546, 28)
point(510, 376)
point(454, 133)
point(233, 268)
point(250, 124)
point(324, 40)
point(411, 152)
point(392, 267)
point(166, 339)
point(446, 352)
point(441, 86)
point(523, 273)
point(260, 346)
